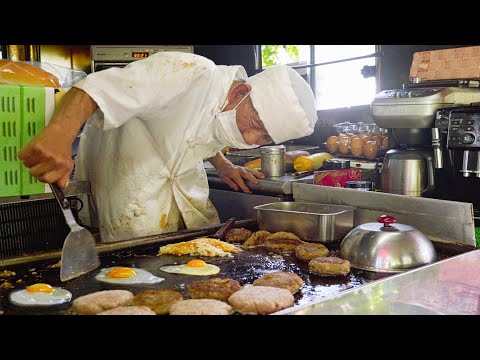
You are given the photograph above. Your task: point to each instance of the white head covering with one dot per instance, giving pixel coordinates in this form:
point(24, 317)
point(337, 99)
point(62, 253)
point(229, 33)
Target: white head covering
point(285, 103)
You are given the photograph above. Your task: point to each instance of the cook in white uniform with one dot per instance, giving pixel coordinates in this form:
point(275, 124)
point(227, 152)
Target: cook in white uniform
point(150, 126)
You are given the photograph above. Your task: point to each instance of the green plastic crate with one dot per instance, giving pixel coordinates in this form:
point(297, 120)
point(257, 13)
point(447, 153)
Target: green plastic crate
point(23, 113)
point(10, 143)
point(33, 120)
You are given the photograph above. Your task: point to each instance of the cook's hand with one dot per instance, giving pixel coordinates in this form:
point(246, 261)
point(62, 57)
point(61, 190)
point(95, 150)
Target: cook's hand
point(49, 156)
point(235, 176)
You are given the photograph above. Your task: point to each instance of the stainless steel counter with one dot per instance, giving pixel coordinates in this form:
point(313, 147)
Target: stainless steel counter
point(440, 220)
point(448, 287)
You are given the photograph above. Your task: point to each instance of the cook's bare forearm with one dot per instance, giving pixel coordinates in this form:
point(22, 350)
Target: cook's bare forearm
point(219, 161)
point(74, 109)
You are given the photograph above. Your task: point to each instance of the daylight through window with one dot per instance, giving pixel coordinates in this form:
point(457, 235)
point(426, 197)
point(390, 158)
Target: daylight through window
point(335, 85)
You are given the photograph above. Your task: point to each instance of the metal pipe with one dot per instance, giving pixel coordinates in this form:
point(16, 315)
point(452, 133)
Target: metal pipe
point(33, 52)
point(312, 70)
point(376, 54)
point(16, 52)
point(257, 52)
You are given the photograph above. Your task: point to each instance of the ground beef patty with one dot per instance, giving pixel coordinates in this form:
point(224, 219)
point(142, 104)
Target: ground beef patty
point(215, 288)
point(159, 300)
point(309, 251)
point(128, 310)
point(260, 300)
point(99, 301)
point(257, 238)
point(282, 242)
point(238, 235)
point(329, 266)
point(201, 307)
point(284, 280)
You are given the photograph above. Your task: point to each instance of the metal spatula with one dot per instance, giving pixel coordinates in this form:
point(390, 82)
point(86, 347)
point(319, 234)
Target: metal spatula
point(79, 254)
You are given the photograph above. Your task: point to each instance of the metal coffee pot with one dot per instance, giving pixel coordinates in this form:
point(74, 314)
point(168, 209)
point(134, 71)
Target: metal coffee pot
point(407, 172)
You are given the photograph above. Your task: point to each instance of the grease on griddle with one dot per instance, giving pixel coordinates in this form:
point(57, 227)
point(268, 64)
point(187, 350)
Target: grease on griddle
point(7, 273)
point(244, 267)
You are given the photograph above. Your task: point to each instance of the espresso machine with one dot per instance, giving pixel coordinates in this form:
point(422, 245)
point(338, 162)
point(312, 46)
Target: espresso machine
point(456, 146)
point(409, 166)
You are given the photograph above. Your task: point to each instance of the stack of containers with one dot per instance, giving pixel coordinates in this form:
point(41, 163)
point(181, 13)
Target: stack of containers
point(24, 111)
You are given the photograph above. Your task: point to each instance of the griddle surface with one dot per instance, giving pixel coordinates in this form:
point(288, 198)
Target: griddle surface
point(244, 267)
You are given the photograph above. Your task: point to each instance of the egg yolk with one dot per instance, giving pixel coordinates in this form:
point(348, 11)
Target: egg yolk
point(40, 287)
point(121, 272)
point(196, 263)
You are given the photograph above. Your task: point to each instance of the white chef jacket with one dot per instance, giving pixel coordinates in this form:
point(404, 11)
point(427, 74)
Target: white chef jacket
point(143, 149)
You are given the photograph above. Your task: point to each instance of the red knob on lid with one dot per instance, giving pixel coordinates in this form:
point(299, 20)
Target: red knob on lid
point(386, 220)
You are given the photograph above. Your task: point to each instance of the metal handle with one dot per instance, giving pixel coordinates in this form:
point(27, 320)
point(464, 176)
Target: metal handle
point(437, 148)
point(477, 173)
point(300, 174)
point(65, 205)
point(386, 220)
point(60, 196)
point(223, 230)
point(465, 171)
point(430, 174)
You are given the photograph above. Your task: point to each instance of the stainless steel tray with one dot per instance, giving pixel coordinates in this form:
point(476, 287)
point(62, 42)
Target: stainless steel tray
point(313, 222)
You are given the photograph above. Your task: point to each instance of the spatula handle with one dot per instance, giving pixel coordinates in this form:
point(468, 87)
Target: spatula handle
point(220, 234)
point(60, 196)
point(65, 205)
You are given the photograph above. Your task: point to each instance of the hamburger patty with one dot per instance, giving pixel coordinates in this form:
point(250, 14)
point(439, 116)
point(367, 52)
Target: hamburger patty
point(99, 301)
point(159, 300)
point(201, 307)
point(238, 235)
point(284, 280)
point(128, 310)
point(260, 300)
point(216, 288)
point(329, 266)
point(257, 238)
point(282, 242)
point(309, 251)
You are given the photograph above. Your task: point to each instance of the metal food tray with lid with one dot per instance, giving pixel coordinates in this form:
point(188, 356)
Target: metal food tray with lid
point(313, 222)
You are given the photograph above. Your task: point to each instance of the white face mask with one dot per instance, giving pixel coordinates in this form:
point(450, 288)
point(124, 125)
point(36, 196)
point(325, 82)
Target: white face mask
point(226, 129)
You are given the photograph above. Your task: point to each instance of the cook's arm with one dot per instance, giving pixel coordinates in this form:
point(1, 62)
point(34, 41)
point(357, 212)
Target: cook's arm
point(234, 175)
point(49, 154)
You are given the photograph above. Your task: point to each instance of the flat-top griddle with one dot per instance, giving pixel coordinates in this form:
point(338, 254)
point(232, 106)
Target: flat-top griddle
point(244, 267)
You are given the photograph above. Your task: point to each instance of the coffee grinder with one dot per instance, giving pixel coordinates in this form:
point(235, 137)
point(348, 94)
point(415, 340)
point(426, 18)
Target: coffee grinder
point(409, 115)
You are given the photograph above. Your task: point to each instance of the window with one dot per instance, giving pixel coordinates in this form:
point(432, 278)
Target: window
point(338, 79)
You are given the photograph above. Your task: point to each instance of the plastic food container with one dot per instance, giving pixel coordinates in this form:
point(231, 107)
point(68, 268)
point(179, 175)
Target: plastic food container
point(312, 222)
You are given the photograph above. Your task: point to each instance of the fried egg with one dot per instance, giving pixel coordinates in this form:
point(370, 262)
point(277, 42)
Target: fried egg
point(127, 275)
point(193, 267)
point(40, 294)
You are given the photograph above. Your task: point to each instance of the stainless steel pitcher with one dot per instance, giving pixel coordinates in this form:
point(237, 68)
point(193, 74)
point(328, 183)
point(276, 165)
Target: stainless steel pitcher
point(408, 172)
